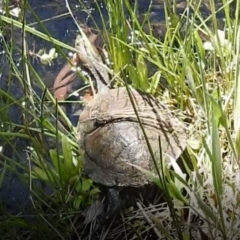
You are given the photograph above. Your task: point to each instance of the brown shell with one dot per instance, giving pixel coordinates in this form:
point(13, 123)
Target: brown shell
point(111, 136)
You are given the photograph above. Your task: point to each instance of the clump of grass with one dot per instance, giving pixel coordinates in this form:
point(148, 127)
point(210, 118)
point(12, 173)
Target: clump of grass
point(196, 74)
point(200, 82)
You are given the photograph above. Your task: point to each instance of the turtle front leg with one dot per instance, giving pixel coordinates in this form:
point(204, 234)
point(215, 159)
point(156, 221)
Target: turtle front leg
point(113, 204)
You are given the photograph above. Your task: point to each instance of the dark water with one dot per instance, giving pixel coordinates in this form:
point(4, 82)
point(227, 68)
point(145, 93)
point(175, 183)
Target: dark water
point(14, 194)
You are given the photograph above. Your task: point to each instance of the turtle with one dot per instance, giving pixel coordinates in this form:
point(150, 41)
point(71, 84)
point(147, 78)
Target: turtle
point(113, 141)
point(111, 136)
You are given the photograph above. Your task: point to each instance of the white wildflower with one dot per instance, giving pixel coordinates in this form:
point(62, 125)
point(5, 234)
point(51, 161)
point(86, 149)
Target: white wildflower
point(46, 58)
point(208, 46)
point(219, 44)
point(213, 44)
point(15, 12)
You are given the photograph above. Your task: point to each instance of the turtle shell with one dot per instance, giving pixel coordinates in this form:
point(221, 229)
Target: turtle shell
point(113, 140)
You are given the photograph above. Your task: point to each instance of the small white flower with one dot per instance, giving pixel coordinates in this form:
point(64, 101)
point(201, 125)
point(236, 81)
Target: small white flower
point(46, 58)
point(224, 48)
point(225, 45)
point(201, 64)
point(15, 12)
point(208, 46)
point(52, 53)
point(70, 54)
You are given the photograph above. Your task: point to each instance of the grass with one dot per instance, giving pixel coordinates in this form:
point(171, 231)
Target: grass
point(202, 88)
